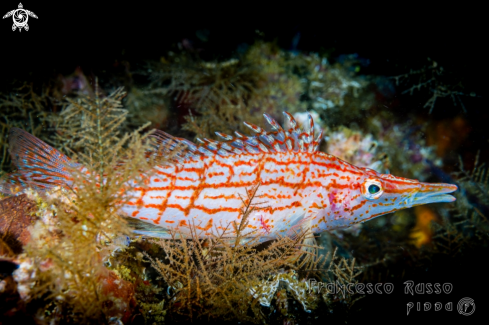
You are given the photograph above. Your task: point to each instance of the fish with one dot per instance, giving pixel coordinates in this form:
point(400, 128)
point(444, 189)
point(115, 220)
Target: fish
point(209, 183)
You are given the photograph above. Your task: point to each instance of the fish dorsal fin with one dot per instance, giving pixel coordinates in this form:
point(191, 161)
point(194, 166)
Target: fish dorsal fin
point(294, 139)
point(164, 145)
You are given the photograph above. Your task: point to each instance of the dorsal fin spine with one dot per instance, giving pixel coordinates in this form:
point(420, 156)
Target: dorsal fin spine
point(277, 147)
point(293, 139)
point(226, 146)
point(253, 127)
point(262, 147)
point(310, 132)
point(224, 136)
point(252, 141)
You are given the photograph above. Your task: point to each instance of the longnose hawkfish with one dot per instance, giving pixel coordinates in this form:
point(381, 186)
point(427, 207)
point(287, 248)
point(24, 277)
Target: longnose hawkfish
point(205, 185)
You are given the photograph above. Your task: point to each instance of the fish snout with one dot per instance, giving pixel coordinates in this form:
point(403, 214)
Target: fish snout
point(434, 193)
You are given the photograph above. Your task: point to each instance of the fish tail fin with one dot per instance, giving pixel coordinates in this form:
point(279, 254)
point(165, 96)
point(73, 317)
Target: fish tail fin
point(39, 166)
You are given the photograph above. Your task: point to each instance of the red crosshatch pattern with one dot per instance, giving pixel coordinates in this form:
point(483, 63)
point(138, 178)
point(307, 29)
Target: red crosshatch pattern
point(298, 185)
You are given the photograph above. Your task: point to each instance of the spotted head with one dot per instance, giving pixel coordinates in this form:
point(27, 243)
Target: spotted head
point(371, 194)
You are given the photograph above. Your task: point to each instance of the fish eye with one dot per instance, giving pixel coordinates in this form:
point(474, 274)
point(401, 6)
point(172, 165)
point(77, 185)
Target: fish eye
point(372, 189)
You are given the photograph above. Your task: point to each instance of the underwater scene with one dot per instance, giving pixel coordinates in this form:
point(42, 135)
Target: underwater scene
point(266, 173)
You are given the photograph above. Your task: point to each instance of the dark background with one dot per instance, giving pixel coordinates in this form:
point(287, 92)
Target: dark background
point(95, 34)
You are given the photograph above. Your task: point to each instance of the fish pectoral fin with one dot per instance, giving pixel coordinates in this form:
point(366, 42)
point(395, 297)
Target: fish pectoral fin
point(148, 230)
point(163, 233)
point(309, 244)
point(231, 242)
point(299, 223)
point(293, 225)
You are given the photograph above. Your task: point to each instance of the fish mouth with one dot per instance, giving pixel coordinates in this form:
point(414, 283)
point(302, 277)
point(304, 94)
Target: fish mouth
point(434, 193)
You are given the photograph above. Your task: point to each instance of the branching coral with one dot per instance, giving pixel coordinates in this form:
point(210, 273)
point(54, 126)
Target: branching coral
point(223, 94)
point(145, 107)
point(219, 91)
point(341, 272)
point(66, 254)
point(306, 290)
point(434, 79)
point(264, 79)
point(81, 255)
point(89, 126)
point(404, 148)
point(26, 109)
point(468, 223)
point(212, 278)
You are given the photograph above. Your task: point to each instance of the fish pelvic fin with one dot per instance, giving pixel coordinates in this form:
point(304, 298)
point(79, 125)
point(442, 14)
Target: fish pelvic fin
point(39, 166)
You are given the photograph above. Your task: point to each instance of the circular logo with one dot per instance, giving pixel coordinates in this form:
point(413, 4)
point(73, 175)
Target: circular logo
point(20, 17)
point(466, 306)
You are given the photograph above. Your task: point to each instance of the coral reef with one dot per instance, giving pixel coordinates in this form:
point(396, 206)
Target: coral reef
point(403, 148)
point(26, 108)
point(218, 90)
point(212, 278)
point(15, 218)
point(436, 81)
point(67, 255)
point(353, 147)
point(468, 224)
point(74, 231)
